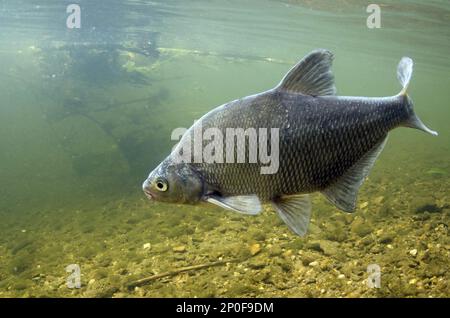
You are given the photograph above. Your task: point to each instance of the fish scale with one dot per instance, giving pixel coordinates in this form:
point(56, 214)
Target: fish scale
point(327, 144)
point(320, 153)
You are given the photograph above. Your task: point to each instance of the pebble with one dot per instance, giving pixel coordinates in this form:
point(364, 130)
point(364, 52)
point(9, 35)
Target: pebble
point(330, 248)
point(341, 276)
point(275, 251)
point(313, 264)
point(288, 253)
point(360, 227)
point(255, 249)
point(147, 246)
point(378, 200)
point(91, 281)
point(364, 205)
point(179, 249)
point(413, 252)
point(386, 238)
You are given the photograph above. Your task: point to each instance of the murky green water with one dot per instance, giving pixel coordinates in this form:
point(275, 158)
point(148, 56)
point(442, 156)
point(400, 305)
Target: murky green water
point(86, 113)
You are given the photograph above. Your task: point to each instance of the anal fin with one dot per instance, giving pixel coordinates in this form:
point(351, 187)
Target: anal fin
point(295, 211)
point(344, 191)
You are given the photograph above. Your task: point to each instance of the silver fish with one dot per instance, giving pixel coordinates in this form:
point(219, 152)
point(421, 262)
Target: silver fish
point(327, 144)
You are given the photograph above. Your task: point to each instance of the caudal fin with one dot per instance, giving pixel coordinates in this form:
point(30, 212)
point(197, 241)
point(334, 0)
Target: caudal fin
point(404, 74)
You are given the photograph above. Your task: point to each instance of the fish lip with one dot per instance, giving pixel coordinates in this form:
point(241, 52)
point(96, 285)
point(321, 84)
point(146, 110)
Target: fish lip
point(148, 194)
point(146, 190)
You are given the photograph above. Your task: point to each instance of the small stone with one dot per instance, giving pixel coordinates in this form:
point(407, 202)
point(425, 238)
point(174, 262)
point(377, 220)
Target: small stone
point(413, 252)
point(341, 276)
point(314, 245)
point(257, 263)
point(24, 231)
point(330, 248)
point(255, 249)
point(147, 246)
point(314, 264)
point(91, 281)
point(378, 200)
point(360, 227)
point(179, 249)
point(275, 250)
point(389, 246)
point(413, 281)
point(386, 238)
point(364, 205)
point(367, 240)
point(288, 253)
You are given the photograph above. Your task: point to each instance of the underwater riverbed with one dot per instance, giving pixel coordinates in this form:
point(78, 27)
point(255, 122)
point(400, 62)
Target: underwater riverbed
point(87, 114)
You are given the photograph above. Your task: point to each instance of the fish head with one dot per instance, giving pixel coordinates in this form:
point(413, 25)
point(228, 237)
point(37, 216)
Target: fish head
point(174, 183)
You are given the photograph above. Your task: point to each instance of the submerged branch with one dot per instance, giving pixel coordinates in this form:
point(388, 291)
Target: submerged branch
point(177, 271)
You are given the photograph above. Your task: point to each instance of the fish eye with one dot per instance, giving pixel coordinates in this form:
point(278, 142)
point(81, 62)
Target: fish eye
point(161, 185)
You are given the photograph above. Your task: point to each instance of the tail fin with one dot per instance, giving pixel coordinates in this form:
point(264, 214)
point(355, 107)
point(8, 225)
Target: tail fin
point(404, 74)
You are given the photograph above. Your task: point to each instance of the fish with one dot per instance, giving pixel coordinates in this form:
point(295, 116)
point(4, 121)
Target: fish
point(327, 144)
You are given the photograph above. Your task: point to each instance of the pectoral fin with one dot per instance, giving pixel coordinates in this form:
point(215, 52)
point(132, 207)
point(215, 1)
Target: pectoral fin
point(295, 211)
point(344, 191)
point(246, 204)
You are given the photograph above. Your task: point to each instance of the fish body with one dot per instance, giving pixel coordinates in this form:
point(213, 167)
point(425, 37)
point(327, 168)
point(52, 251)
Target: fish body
point(320, 139)
point(326, 143)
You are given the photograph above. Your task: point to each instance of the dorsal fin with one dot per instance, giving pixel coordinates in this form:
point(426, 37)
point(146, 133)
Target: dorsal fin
point(311, 76)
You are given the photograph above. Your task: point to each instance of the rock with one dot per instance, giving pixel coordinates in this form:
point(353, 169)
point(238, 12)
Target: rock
point(147, 246)
point(258, 235)
point(341, 276)
point(376, 249)
point(179, 249)
point(422, 216)
point(284, 264)
point(413, 252)
point(310, 281)
point(261, 275)
point(378, 200)
point(255, 249)
point(364, 205)
point(329, 248)
point(313, 264)
point(257, 263)
point(367, 241)
point(314, 245)
point(360, 228)
point(307, 258)
point(386, 238)
point(275, 251)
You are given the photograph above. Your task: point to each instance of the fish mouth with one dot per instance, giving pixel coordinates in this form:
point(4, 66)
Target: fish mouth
point(148, 194)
